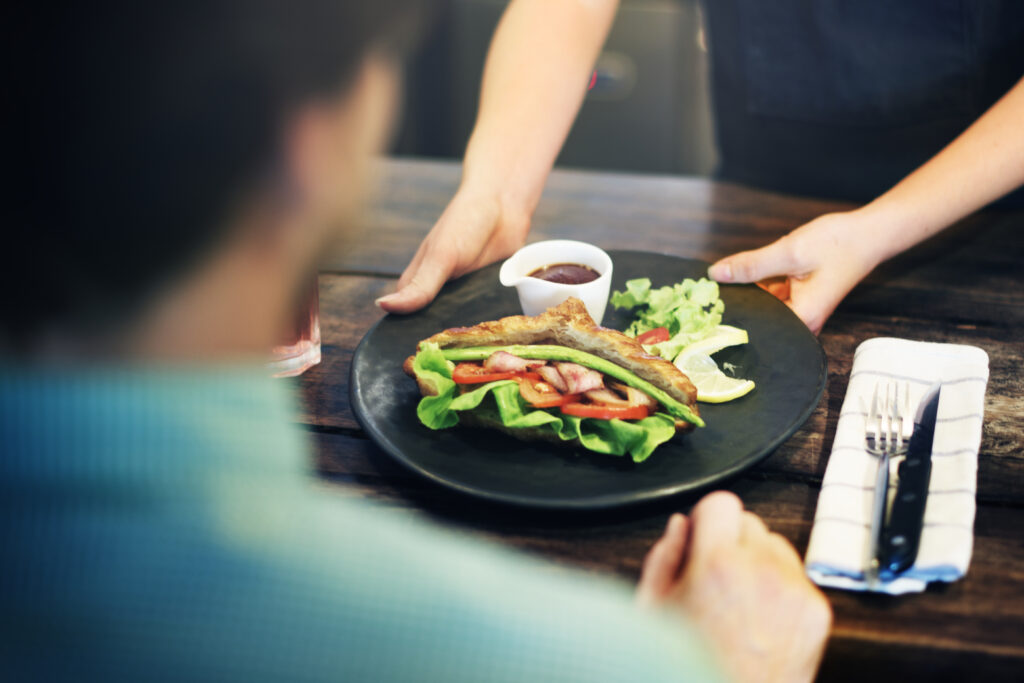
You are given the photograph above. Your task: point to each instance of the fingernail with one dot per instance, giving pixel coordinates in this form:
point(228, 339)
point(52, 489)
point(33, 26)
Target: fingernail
point(674, 521)
point(381, 300)
point(720, 272)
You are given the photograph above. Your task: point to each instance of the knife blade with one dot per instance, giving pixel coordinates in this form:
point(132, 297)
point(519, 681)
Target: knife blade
point(901, 534)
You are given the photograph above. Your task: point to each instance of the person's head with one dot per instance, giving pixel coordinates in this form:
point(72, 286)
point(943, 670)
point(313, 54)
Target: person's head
point(187, 162)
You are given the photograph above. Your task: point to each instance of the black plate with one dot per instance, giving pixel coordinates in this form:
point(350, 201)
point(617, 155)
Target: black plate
point(783, 358)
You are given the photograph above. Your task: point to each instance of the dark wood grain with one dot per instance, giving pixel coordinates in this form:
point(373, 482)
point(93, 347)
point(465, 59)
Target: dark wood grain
point(681, 216)
point(965, 286)
point(347, 311)
point(970, 273)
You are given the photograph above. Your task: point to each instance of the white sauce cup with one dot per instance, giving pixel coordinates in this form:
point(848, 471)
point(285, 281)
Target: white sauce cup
point(536, 295)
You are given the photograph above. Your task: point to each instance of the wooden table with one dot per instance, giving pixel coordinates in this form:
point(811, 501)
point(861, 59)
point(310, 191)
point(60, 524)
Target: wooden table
point(966, 286)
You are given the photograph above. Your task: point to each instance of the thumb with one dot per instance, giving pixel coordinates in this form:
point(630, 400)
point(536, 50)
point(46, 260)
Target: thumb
point(814, 302)
point(750, 266)
point(661, 566)
point(417, 292)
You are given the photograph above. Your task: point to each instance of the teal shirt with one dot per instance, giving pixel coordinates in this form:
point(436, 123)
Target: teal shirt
point(165, 525)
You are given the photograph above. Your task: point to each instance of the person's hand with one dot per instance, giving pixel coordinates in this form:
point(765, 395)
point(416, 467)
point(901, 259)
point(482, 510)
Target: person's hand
point(812, 268)
point(743, 587)
point(474, 230)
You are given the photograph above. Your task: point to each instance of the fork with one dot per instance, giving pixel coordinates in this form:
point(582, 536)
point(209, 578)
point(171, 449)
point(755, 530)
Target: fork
point(888, 427)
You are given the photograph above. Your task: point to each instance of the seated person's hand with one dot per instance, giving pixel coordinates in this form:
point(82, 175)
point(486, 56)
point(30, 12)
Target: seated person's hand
point(473, 231)
point(811, 268)
point(743, 587)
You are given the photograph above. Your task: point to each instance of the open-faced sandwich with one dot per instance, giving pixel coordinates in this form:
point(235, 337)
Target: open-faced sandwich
point(557, 377)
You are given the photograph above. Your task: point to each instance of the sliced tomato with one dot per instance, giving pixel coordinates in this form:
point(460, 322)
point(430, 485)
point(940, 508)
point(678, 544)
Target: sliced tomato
point(605, 412)
point(655, 336)
point(474, 373)
point(471, 373)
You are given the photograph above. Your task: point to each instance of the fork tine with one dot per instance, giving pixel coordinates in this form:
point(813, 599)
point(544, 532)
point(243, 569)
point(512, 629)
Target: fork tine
point(908, 416)
point(874, 420)
point(887, 423)
point(902, 414)
point(897, 419)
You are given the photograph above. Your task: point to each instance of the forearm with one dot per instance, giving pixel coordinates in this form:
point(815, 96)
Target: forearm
point(984, 163)
point(536, 76)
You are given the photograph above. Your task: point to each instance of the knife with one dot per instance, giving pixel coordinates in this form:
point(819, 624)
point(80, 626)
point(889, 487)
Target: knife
point(901, 535)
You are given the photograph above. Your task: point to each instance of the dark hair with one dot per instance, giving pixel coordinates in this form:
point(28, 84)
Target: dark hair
point(137, 124)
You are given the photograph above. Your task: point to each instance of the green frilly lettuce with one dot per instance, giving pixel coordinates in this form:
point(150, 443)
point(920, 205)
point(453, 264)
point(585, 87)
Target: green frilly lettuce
point(638, 438)
point(690, 310)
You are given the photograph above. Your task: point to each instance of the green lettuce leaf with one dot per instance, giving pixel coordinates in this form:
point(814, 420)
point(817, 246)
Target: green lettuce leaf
point(616, 437)
point(431, 368)
point(613, 437)
point(690, 310)
point(637, 292)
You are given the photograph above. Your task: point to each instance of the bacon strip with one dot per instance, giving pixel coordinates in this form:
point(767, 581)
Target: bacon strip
point(503, 361)
point(579, 379)
point(635, 396)
point(608, 398)
point(552, 377)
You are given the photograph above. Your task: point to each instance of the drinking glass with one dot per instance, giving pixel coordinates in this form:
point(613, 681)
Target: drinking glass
point(300, 350)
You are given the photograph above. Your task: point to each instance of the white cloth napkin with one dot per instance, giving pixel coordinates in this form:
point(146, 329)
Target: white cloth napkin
point(837, 553)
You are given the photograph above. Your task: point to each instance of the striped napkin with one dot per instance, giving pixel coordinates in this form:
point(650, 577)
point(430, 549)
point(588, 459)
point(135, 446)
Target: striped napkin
point(837, 553)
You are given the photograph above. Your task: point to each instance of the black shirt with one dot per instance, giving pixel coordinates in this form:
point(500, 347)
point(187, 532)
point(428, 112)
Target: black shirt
point(842, 98)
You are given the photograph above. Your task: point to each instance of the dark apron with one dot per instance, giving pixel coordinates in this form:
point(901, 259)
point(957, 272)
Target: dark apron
point(842, 98)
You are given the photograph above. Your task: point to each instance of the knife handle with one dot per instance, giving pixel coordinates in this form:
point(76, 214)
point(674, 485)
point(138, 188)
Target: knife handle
point(902, 535)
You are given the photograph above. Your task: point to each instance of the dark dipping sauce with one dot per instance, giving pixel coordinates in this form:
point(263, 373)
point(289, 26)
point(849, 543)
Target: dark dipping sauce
point(566, 274)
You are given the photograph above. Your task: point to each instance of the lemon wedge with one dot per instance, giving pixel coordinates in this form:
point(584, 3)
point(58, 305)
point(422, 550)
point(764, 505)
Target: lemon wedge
point(723, 336)
point(713, 385)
